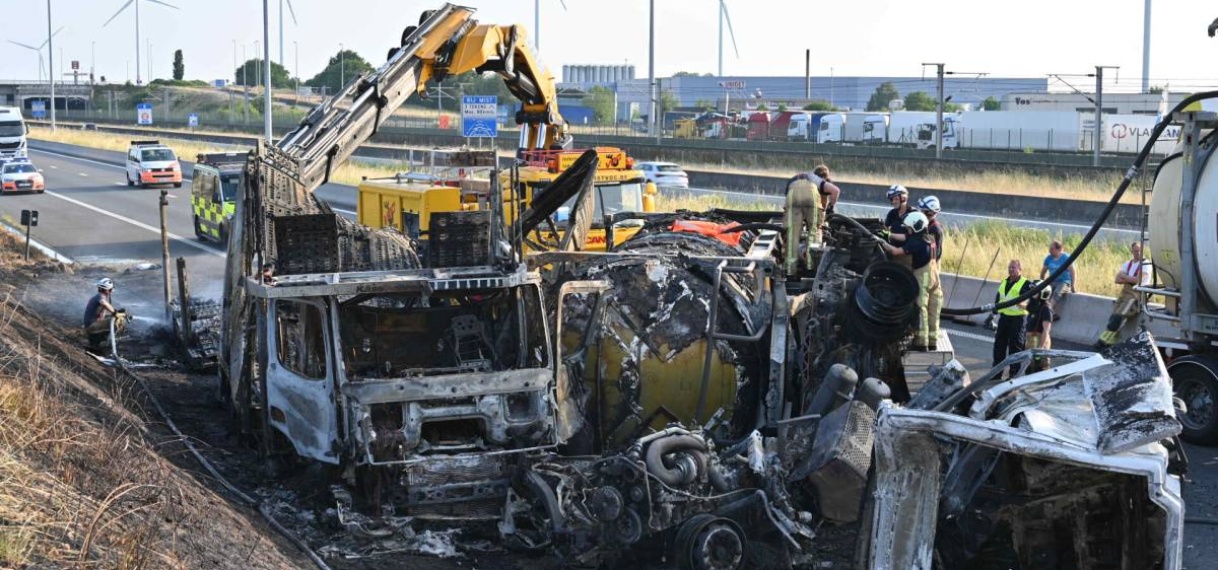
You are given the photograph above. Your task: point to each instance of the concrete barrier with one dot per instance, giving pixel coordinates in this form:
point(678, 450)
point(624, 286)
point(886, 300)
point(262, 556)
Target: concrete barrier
point(1083, 316)
point(1126, 216)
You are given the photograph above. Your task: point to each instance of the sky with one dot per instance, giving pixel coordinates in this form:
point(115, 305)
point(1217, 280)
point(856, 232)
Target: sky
point(1023, 38)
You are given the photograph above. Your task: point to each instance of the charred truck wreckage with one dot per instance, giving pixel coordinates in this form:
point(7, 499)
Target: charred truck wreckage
point(677, 396)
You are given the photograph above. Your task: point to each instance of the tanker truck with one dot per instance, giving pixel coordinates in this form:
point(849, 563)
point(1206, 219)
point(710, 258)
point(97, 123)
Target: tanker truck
point(1181, 225)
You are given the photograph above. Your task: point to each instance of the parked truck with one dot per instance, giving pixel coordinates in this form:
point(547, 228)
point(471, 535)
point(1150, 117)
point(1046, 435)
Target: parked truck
point(817, 127)
point(1019, 130)
point(917, 129)
point(12, 134)
point(865, 128)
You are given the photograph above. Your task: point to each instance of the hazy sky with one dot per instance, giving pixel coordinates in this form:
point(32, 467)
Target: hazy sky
point(1026, 38)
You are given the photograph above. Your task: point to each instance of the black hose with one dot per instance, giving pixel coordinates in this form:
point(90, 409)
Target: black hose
point(1099, 222)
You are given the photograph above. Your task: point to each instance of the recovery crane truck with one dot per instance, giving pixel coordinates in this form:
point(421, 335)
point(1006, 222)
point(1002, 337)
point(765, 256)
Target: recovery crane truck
point(420, 382)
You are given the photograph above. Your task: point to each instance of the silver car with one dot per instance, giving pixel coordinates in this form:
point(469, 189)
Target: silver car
point(664, 174)
point(21, 176)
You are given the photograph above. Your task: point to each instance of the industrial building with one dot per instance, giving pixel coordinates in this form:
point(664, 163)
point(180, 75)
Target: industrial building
point(845, 92)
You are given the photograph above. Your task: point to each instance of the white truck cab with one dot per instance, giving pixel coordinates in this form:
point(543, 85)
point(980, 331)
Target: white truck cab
point(12, 134)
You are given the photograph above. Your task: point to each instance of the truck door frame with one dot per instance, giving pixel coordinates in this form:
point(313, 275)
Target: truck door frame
point(303, 409)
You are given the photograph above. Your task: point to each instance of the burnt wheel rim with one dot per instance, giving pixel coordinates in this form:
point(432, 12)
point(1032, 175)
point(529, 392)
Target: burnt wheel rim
point(718, 547)
point(1199, 402)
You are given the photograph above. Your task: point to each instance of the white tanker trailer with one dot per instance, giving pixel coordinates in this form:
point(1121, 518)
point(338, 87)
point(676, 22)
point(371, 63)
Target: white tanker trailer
point(1183, 233)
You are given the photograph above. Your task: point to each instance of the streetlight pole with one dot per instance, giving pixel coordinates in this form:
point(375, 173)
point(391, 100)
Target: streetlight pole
point(51, 63)
point(651, 66)
point(342, 68)
point(266, 88)
point(296, 46)
point(258, 65)
point(149, 54)
point(1099, 113)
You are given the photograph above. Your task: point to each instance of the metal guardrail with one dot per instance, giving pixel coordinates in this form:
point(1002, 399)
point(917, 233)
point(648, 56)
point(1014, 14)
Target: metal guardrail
point(398, 128)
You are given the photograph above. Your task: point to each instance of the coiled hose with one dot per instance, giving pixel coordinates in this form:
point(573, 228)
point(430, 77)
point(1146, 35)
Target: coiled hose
point(1099, 222)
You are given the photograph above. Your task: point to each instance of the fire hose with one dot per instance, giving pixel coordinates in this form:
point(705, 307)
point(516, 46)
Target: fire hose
point(262, 507)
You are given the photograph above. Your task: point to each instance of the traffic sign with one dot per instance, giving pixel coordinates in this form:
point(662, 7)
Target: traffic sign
point(75, 65)
point(192, 120)
point(143, 113)
point(478, 116)
point(38, 109)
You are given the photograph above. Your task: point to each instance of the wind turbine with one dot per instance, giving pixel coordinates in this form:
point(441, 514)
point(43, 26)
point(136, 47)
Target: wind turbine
point(537, 23)
point(291, 11)
point(723, 15)
point(137, 28)
point(38, 50)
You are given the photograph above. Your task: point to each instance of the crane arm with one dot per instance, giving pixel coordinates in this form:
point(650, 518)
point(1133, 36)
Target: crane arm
point(505, 51)
point(447, 41)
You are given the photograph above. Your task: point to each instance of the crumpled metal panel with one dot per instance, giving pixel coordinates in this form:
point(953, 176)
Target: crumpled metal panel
point(1132, 398)
point(910, 478)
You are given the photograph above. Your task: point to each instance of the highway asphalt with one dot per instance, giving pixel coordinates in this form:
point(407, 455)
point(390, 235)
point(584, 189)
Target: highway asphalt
point(89, 214)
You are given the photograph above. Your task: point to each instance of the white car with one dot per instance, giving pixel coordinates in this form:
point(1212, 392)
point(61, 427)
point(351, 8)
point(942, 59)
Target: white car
point(664, 174)
point(21, 176)
point(150, 162)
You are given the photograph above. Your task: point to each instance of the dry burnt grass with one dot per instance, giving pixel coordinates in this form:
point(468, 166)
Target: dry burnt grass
point(87, 479)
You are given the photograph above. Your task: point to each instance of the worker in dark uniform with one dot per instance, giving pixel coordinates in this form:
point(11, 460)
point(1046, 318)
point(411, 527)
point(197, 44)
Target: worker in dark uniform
point(919, 247)
point(1040, 325)
point(803, 210)
point(1009, 336)
point(929, 205)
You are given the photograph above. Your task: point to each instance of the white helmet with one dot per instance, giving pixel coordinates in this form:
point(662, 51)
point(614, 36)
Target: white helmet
point(105, 284)
point(916, 222)
point(896, 190)
point(929, 203)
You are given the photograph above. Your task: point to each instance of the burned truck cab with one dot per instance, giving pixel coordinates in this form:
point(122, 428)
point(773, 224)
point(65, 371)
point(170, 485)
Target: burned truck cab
point(430, 375)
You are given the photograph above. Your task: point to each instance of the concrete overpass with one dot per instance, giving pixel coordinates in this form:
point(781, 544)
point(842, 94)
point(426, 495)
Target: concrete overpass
point(18, 93)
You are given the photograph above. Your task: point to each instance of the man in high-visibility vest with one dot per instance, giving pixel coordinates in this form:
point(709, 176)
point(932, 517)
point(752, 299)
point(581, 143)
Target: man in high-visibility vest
point(1009, 337)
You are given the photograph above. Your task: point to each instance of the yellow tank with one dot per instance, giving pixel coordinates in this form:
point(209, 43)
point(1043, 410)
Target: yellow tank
point(645, 368)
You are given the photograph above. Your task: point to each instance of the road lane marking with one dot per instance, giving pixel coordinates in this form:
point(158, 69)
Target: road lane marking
point(971, 336)
point(344, 211)
point(138, 224)
point(119, 184)
point(82, 174)
point(53, 167)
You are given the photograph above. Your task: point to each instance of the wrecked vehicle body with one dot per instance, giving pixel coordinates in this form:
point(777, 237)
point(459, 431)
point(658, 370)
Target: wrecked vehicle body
point(671, 491)
point(1072, 467)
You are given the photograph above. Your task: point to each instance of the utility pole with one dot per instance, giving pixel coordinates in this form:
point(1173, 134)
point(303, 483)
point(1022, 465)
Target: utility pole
point(651, 67)
point(267, 110)
point(1098, 143)
point(808, 75)
point(938, 110)
point(51, 63)
point(1146, 49)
